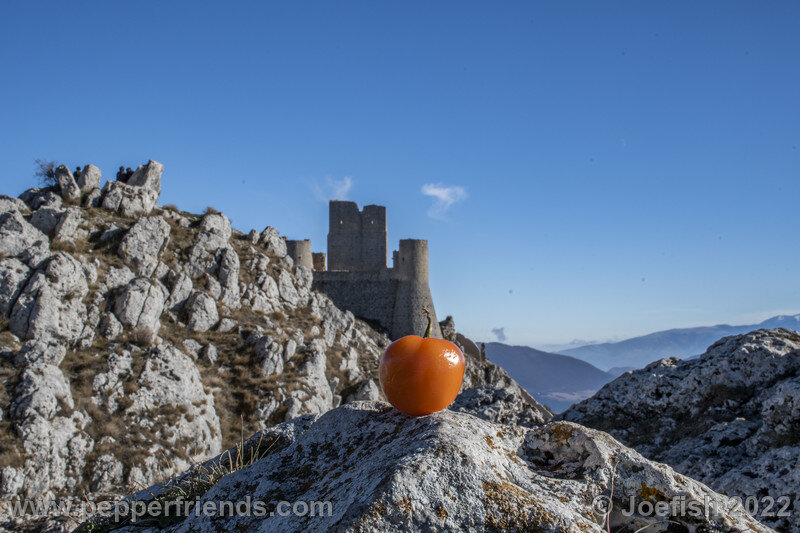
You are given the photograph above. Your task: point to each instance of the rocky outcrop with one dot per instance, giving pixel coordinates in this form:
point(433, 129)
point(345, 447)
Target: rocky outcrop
point(379, 470)
point(729, 418)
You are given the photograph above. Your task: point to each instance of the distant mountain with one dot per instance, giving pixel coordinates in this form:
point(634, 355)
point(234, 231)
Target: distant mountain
point(553, 379)
point(687, 342)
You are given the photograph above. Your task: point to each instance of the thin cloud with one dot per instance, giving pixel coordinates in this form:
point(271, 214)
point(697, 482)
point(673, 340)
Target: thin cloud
point(332, 189)
point(500, 333)
point(444, 197)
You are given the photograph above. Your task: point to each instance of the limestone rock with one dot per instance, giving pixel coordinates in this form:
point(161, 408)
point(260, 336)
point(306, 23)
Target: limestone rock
point(142, 245)
point(66, 183)
point(727, 418)
point(148, 176)
point(128, 200)
point(273, 242)
point(384, 471)
point(368, 390)
point(499, 405)
point(68, 228)
point(202, 312)
point(51, 307)
point(7, 203)
point(268, 355)
point(41, 390)
point(13, 276)
point(106, 474)
point(18, 238)
point(35, 352)
point(140, 304)
point(46, 219)
point(89, 178)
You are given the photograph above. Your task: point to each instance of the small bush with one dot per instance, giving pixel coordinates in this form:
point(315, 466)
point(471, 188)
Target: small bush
point(172, 207)
point(211, 211)
point(46, 172)
point(142, 337)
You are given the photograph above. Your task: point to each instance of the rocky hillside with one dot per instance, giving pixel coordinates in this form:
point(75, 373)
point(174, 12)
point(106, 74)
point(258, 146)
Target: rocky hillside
point(384, 471)
point(136, 340)
point(730, 419)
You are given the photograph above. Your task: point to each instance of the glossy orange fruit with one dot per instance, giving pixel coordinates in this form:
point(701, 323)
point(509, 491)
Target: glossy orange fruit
point(420, 376)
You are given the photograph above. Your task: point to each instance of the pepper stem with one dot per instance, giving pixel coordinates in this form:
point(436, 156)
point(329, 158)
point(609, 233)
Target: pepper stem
point(429, 329)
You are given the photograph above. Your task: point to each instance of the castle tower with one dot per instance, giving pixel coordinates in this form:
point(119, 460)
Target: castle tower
point(300, 252)
point(413, 290)
point(357, 240)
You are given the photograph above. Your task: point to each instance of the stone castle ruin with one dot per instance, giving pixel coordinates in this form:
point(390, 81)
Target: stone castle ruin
point(357, 277)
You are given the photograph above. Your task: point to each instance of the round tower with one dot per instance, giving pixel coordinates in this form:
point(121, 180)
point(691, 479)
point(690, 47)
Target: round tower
point(413, 291)
point(300, 251)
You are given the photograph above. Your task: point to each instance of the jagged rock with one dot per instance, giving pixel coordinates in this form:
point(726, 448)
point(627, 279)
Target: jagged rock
point(226, 324)
point(110, 327)
point(229, 278)
point(202, 312)
point(117, 277)
point(273, 242)
point(148, 176)
point(93, 198)
point(499, 405)
point(714, 418)
point(69, 228)
point(318, 397)
point(209, 354)
point(46, 219)
point(106, 474)
point(56, 453)
point(108, 387)
point(18, 238)
point(128, 200)
point(384, 471)
point(35, 352)
point(13, 276)
point(192, 347)
point(66, 183)
point(368, 390)
point(41, 390)
point(41, 197)
point(140, 304)
point(287, 289)
point(289, 350)
point(51, 307)
point(7, 203)
point(89, 178)
point(143, 243)
point(181, 290)
point(268, 355)
point(171, 380)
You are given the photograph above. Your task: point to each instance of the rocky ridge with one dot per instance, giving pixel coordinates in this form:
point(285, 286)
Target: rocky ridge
point(137, 340)
point(730, 419)
point(380, 470)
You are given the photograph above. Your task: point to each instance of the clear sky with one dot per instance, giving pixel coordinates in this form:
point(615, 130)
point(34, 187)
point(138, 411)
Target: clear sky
point(587, 170)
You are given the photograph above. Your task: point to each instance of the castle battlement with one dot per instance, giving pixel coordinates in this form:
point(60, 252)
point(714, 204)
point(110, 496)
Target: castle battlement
point(357, 277)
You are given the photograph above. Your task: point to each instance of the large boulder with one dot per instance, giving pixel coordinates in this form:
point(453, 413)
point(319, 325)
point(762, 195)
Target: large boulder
point(140, 303)
point(18, 238)
point(202, 312)
point(51, 306)
point(128, 200)
point(13, 276)
point(89, 178)
point(7, 203)
point(148, 176)
point(368, 467)
point(143, 244)
point(727, 418)
point(66, 183)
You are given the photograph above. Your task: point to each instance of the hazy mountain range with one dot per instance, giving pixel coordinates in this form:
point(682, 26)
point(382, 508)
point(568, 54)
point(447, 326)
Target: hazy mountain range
point(553, 379)
point(560, 379)
point(685, 342)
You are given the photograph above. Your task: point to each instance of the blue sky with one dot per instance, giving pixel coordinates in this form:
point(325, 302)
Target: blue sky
point(615, 168)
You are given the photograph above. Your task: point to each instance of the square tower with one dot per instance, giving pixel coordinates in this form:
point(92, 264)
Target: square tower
point(357, 240)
